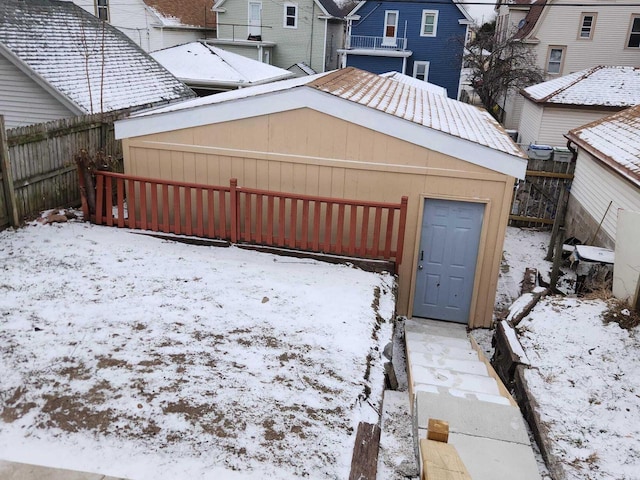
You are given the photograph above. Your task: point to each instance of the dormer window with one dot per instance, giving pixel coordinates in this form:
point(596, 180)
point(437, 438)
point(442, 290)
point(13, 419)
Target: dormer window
point(102, 10)
point(587, 25)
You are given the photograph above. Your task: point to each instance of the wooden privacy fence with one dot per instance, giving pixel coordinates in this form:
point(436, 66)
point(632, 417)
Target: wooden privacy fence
point(318, 224)
point(535, 200)
point(37, 168)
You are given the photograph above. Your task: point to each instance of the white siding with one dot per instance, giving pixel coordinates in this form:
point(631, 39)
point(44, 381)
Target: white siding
point(513, 110)
point(23, 101)
point(529, 127)
point(558, 121)
point(610, 36)
point(594, 186)
point(142, 26)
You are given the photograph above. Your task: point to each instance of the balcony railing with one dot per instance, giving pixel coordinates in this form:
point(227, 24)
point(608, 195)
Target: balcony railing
point(376, 43)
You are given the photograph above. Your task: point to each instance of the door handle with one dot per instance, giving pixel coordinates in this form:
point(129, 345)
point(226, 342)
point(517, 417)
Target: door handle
point(421, 255)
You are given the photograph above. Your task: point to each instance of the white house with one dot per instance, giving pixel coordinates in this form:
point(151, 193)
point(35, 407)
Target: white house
point(568, 39)
point(552, 108)
point(57, 61)
point(156, 24)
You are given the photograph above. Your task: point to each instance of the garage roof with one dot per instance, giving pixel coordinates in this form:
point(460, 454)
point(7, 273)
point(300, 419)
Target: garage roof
point(614, 140)
point(376, 102)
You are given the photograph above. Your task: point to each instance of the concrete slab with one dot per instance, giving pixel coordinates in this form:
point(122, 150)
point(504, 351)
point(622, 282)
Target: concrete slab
point(438, 361)
point(435, 327)
point(23, 471)
point(443, 340)
point(442, 350)
point(476, 396)
point(489, 459)
point(450, 379)
point(483, 419)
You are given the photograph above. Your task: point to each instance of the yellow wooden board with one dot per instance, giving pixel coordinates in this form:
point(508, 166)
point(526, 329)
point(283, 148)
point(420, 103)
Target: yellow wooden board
point(440, 461)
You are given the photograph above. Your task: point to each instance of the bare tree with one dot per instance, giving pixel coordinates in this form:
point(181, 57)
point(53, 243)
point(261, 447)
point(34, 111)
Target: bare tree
point(499, 64)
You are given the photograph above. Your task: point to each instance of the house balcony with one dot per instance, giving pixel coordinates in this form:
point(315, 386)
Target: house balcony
point(376, 46)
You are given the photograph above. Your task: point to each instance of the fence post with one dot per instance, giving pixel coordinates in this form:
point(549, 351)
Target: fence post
point(401, 228)
point(7, 177)
point(235, 208)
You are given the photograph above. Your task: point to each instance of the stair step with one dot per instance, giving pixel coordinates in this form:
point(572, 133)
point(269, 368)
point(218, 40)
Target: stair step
point(417, 346)
point(461, 343)
point(475, 366)
point(435, 327)
point(450, 379)
point(458, 393)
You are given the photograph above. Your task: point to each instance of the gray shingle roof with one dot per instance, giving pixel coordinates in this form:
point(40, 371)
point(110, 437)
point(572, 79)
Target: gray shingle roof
point(84, 59)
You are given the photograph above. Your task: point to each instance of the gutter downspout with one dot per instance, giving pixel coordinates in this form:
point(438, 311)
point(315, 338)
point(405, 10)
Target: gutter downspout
point(324, 49)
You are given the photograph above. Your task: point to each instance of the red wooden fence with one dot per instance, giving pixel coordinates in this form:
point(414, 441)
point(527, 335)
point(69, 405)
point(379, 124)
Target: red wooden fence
point(238, 214)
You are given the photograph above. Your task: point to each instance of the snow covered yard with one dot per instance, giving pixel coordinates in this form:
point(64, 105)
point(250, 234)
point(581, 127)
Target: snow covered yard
point(136, 357)
point(585, 370)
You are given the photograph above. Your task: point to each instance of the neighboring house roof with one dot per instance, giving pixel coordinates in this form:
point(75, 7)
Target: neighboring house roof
point(357, 5)
point(381, 104)
point(303, 68)
point(414, 82)
point(333, 8)
point(184, 13)
point(600, 86)
point(532, 17)
point(84, 62)
point(615, 140)
point(198, 64)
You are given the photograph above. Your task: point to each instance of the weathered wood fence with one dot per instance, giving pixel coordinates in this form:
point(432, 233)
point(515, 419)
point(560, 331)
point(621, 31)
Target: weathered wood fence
point(37, 169)
point(535, 200)
point(318, 224)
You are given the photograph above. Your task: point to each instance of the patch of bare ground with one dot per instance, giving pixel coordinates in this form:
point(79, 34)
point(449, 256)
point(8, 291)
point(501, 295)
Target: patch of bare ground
point(619, 312)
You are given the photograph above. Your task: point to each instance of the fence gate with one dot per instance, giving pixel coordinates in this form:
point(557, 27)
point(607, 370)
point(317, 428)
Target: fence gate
point(535, 200)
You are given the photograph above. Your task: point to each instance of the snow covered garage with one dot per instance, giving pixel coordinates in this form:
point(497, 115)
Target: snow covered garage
point(356, 135)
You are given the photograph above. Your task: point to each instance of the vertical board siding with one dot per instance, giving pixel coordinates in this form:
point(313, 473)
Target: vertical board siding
point(530, 121)
point(42, 160)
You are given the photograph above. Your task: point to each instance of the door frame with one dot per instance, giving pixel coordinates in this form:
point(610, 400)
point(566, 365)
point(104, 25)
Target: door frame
point(481, 246)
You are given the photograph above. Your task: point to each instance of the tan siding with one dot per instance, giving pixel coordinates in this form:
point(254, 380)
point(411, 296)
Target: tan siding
point(329, 157)
point(558, 121)
point(595, 186)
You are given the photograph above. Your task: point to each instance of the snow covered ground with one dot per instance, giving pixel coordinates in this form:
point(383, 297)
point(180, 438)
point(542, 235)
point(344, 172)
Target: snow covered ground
point(585, 372)
point(136, 357)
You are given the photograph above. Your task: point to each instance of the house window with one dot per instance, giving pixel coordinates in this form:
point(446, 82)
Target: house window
point(429, 23)
point(290, 15)
point(421, 70)
point(390, 27)
point(555, 60)
point(634, 32)
point(102, 10)
point(587, 24)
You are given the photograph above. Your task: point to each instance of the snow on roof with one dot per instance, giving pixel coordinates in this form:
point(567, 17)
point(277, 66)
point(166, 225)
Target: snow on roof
point(414, 82)
point(198, 63)
point(615, 140)
point(185, 13)
point(596, 86)
point(85, 60)
point(418, 106)
point(387, 95)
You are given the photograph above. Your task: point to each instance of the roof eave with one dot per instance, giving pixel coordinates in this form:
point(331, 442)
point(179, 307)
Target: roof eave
point(41, 81)
point(305, 96)
point(606, 160)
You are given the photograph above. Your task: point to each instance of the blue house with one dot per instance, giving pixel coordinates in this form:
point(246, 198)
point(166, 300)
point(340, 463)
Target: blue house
point(421, 39)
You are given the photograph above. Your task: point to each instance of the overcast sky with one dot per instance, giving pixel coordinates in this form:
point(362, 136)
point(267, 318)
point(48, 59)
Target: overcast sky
point(481, 13)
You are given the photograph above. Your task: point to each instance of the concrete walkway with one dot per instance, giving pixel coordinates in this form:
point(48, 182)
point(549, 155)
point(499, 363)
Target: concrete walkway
point(23, 471)
point(449, 381)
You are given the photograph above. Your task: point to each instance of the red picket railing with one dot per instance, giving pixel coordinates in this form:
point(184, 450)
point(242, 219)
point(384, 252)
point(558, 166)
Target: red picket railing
point(304, 222)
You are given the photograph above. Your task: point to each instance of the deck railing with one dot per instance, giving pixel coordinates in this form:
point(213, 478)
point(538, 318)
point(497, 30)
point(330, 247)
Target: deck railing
point(376, 43)
point(311, 223)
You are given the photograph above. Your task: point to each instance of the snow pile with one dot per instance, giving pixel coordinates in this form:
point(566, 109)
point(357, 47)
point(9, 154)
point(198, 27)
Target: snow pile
point(135, 357)
point(585, 377)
